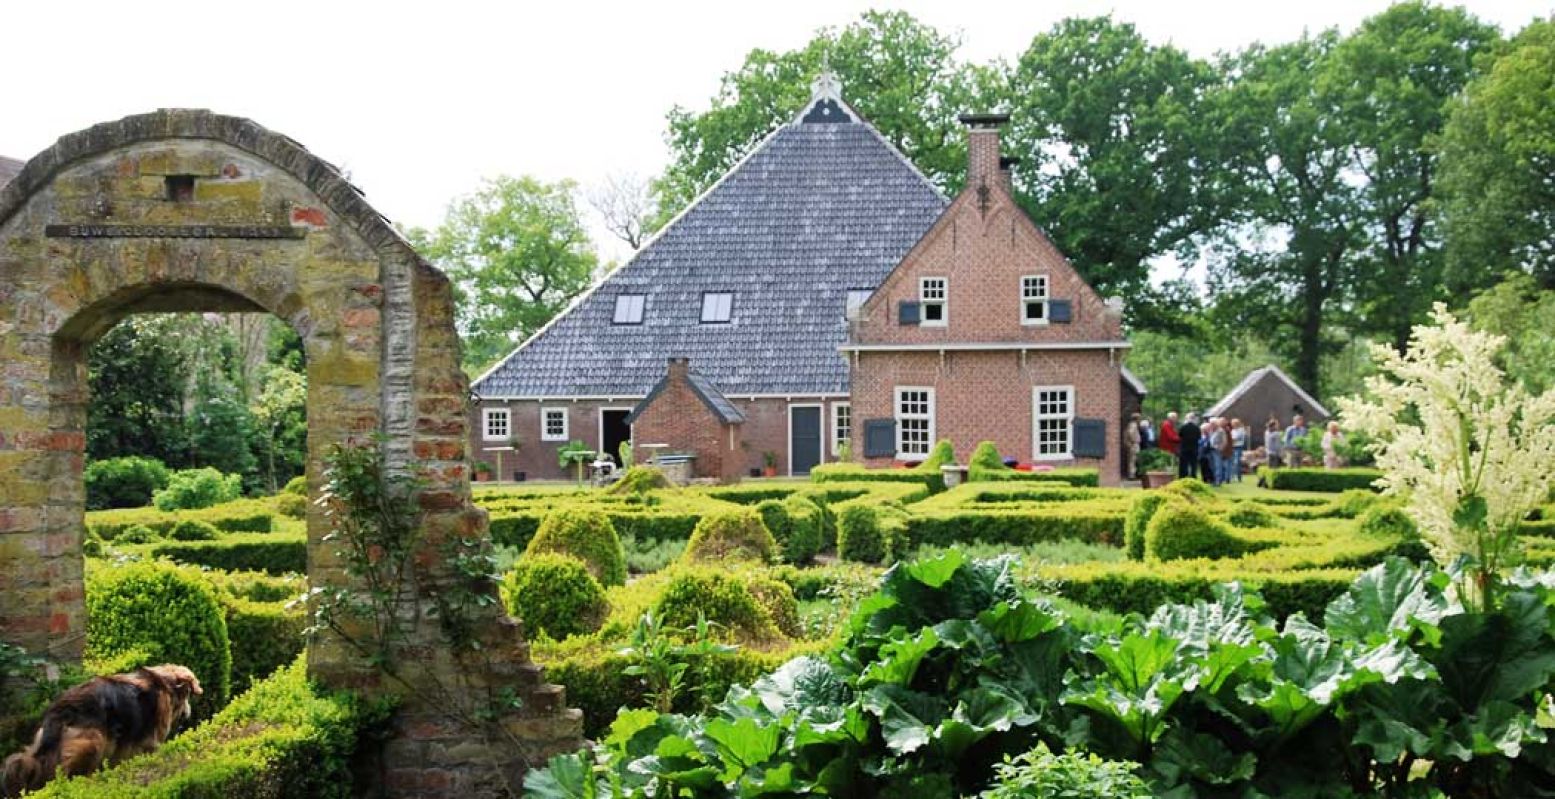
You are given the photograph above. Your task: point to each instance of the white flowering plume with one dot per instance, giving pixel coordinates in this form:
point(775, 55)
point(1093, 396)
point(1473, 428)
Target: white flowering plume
point(1449, 426)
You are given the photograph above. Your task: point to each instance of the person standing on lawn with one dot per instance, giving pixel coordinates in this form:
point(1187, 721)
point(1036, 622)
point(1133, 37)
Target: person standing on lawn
point(1273, 443)
point(1224, 449)
point(1131, 448)
point(1292, 443)
point(1217, 441)
point(1171, 439)
point(1187, 448)
point(1332, 440)
point(1238, 448)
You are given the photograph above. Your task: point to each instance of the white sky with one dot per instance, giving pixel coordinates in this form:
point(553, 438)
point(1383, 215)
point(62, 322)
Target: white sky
point(419, 102)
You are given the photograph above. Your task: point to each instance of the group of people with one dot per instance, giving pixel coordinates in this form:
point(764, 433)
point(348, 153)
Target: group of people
point(1213, 449)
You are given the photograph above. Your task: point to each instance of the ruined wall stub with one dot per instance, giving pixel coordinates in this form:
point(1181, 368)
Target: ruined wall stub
point(185, 210)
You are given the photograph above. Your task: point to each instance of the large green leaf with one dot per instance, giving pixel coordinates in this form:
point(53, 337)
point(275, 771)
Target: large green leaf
point(564, 777)
point(801, 684)
point(898, 659)
point(742, 744)
point(1390, 600)
point(1021, 620)
point(907, 718)
point(1497, 728)
point(1503, 655)
point(1181, 756)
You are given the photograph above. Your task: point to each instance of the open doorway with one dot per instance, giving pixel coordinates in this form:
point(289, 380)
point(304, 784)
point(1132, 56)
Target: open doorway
point(614, 431)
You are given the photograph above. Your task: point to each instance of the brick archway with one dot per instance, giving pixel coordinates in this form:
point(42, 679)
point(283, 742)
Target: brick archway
point(192, 211)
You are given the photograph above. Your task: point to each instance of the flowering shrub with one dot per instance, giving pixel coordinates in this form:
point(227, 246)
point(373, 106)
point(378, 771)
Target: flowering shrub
point(1470, 449)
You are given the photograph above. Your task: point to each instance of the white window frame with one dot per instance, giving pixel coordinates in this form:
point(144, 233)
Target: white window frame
point(1025, 298)
point(836, 436)
point(487, 415)
point(924, 301)
point(852, 309)
point(1038, 417)
point(896, 413)
point(641, 306)
point(545, 427)
point(728, 307)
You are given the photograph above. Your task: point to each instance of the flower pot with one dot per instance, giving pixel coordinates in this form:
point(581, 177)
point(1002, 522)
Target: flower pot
point(1158, 479)
point(769, 471)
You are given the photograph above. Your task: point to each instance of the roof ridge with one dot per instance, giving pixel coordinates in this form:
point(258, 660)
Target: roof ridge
point(647, 244)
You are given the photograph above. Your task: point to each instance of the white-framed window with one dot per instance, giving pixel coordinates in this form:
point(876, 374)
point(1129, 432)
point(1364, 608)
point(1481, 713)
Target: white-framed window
point(856, 300)
point(717, 307)
point(496, 424)
point(553, 424)
point(914, 422)
point(932, 293)
point(1052, 412)
point(1033, 300)
point(841, 426)
point(629, 309)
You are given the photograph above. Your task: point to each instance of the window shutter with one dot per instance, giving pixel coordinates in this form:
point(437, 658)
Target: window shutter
point(1090, 438)
point(1060, 311)
point(907, 312)
point(880, 438)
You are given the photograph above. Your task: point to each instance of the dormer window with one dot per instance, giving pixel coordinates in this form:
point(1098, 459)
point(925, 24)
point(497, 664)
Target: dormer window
point(932, 293)
point(1033, 300)
point(856, 300)
point(717, 307)
point(629, 309)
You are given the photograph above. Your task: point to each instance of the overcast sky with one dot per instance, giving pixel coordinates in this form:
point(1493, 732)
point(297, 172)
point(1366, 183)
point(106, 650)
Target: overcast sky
point(420, 101)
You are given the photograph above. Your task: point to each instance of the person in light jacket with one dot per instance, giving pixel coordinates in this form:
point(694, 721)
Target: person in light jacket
point(1131, 448)
point(1273, 443)
point(1332, 441)
point(1238, 448)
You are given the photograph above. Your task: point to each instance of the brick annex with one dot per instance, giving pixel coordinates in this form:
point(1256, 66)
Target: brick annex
point(824, 297)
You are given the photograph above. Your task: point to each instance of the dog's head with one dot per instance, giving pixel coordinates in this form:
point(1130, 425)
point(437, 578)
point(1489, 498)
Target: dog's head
point(184, 685)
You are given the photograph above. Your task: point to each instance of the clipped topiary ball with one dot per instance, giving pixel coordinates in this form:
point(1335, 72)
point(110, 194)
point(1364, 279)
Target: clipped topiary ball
point(586, 534)
point(297, 486)
point(1355, 501)
point(776, 598)
point(1385, 519)
point(1247, 516)
point(554, 594)
point(1179, 530)
point(722, 598)
point(640, 480)
point(806, 530)
point(869, 533)
point(166, 614)
point(292, 506)
point(137, 534)
point(730, 535)
point(1192, 489)
point(194, 530)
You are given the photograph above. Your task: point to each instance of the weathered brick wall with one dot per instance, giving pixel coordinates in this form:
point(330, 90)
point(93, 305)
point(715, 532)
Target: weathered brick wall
point(987, 396)
point(382, 355)
point(536, 458)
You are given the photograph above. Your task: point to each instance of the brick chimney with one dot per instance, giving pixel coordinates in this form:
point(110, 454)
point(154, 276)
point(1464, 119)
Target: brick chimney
point(982, 147)
point(680, 368)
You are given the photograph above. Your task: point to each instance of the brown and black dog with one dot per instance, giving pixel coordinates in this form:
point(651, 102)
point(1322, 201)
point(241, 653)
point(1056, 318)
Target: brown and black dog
point(102, 721)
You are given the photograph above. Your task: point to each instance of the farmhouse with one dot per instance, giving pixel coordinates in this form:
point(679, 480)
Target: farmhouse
point(822, 287)
point(1268, 393)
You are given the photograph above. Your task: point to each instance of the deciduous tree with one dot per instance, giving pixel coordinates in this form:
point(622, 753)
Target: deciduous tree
point(517, 253)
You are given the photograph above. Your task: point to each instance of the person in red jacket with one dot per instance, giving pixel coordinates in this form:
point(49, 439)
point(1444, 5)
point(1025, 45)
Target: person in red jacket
point(1170, 441)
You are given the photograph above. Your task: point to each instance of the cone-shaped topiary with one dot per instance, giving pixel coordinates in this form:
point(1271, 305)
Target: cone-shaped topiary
point(194, 530)
point(586, 534)
point(730, 535)
point(1247, 516)
point(723, 598)
point(797, 524)
point(554, 594)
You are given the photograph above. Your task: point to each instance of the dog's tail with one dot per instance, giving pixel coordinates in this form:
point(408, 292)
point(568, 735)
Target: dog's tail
point(31, 768)
point(21, 773)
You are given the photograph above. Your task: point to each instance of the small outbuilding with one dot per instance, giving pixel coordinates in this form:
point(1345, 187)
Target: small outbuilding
point(1269, 392)
point(685, 414)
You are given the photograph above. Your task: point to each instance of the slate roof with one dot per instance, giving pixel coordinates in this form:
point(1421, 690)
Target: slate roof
point(705, 390)
point(9, 168)
point(818, 208)
point(1257, 375)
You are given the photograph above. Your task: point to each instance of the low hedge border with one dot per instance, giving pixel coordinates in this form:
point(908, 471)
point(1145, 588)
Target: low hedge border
point(273, 553)
point(1132, 587)
point(242, 516)
point(1326, 480)
point(1013, 527)
point(1072, 475)
point(282, 739)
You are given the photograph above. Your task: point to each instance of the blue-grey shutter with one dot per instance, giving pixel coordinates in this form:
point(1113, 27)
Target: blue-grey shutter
point(1090, 438)
point(1060, 311)
point(907, 312)
point(880, 438)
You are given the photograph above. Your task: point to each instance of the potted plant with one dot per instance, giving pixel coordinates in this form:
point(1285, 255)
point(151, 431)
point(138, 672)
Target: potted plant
point(482, 471)
point(769, 464)
point(1158, 466)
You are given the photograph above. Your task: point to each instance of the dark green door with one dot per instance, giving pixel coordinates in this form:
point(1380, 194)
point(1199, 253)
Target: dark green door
point(804, 430)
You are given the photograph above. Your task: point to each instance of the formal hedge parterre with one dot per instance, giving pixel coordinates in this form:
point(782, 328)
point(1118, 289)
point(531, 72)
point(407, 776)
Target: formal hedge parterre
point(275, 553)
point(242, 516)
